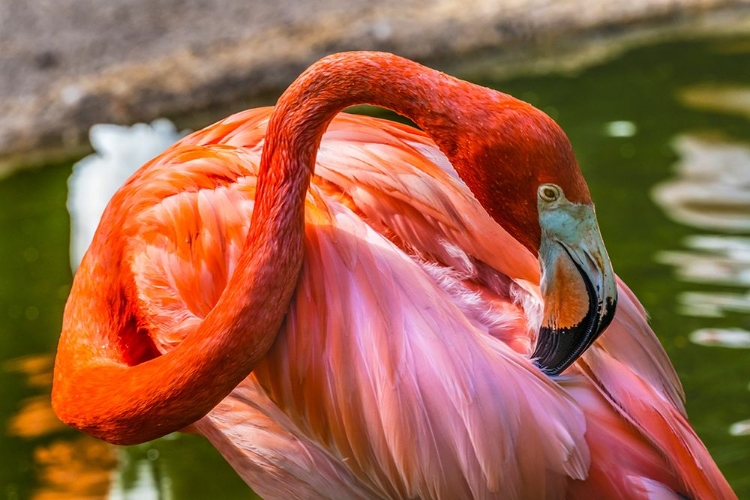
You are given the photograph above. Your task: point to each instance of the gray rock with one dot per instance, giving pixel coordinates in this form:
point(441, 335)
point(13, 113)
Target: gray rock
point(67, 64)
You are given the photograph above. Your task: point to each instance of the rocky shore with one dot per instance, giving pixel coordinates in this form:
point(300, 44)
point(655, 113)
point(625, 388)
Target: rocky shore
point(68, 64)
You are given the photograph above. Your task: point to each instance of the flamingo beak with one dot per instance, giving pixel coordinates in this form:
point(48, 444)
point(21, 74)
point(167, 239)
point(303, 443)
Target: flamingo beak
point(578, 285)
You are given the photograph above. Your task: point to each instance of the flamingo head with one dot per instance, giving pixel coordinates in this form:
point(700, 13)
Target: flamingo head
point(520, 165)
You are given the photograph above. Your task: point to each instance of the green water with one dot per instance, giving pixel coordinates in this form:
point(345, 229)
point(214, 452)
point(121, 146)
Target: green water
point(641, 87)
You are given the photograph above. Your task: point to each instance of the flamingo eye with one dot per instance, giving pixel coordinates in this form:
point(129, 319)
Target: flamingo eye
point(550, 192)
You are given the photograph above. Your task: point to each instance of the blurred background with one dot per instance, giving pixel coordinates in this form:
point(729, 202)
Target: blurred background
point(654, 94)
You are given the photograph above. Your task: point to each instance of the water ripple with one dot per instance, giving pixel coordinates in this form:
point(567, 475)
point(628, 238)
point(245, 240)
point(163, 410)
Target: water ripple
point(711, 191)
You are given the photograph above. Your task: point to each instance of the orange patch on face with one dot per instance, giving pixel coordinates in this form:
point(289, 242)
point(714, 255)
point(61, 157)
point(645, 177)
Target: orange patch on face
point(565, 301)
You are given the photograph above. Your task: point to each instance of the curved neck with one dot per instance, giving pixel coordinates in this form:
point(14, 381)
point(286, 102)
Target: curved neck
point(97, 391)
point(439, 104)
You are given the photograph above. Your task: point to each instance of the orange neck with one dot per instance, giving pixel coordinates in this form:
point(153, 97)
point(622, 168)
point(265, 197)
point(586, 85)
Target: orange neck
point(109, 387)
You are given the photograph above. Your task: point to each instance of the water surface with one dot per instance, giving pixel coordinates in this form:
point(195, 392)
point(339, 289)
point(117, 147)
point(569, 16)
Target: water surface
point(642, 125)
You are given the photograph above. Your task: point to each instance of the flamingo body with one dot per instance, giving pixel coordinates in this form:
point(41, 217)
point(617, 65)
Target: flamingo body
point(402, 367)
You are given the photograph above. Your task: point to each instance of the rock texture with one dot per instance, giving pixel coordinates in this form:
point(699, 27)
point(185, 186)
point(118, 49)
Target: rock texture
point(66, 64)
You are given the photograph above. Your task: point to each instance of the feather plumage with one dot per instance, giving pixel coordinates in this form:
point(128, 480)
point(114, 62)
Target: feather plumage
point(401, 369)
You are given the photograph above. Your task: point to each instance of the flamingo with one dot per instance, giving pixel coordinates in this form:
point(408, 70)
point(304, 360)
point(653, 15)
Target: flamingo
point(348, 307)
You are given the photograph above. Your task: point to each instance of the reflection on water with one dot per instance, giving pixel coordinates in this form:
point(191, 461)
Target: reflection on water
point(144, 486)
point(730, 99)
point(77, 466)
point(741, 428)
point(723, 337)
point(620, 128)
point(35, 417)
point(74, 469)
point(70, 468)
point(711, 190)
point(713, 304)
point(722, 260)
point(712, 259)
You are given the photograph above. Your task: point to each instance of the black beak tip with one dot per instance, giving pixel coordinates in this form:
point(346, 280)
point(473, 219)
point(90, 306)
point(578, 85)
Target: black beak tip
point(554, 350)
point(557, 349)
